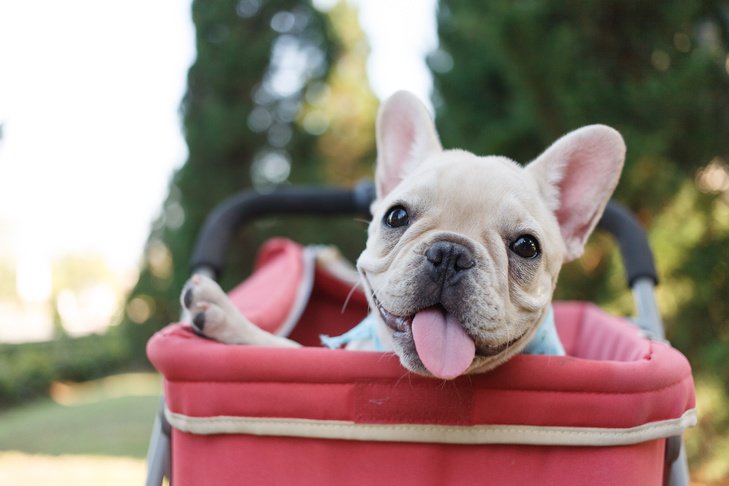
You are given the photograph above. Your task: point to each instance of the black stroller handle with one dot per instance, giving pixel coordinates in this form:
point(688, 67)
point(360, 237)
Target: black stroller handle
point(246, 206)
point(633, 242)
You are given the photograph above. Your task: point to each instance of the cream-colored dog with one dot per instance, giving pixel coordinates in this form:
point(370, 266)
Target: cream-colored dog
point(463, 252)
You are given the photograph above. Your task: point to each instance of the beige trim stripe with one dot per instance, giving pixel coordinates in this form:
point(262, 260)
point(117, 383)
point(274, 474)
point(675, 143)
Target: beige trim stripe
point(443, 434)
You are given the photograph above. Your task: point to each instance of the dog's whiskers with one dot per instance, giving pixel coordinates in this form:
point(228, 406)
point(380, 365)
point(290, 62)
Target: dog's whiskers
point(401, 378)
point(349, 296)
point(361, 220)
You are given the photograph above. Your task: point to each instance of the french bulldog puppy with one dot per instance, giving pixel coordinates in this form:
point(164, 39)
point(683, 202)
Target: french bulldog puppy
point(463, 251)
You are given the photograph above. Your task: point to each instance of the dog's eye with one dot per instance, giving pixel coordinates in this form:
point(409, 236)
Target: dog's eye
point(526, 246)
point(396, 217)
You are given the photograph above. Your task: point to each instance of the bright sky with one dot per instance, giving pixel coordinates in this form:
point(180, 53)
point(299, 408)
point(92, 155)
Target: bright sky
point(89, 97)
point(401, 33)
point(89, 93)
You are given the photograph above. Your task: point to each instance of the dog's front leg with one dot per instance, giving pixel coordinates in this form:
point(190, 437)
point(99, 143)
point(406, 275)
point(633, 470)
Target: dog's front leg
point(212, 314)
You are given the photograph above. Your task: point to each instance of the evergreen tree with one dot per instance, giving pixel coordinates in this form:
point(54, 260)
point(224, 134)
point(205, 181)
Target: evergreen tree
point(255, 60)
point(278, 95)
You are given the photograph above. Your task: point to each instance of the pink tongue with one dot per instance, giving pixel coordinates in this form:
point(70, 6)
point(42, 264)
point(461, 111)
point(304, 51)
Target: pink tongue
point(442, 344)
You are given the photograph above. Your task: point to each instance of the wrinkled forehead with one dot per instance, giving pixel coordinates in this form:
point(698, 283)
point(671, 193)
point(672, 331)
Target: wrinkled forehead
point(460, 182)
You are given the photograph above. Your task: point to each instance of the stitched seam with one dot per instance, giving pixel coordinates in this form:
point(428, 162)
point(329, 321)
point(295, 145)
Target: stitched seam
point(679, 381)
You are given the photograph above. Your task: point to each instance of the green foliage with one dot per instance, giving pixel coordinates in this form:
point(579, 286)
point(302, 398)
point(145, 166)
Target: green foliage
point(255, 60)
point(525, 73)
point(27, 370)
point(708, 444)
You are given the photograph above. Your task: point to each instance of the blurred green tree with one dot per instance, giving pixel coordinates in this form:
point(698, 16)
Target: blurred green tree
point(343, 110)
point(277, 95)
point(255, 60)
point(511, 77)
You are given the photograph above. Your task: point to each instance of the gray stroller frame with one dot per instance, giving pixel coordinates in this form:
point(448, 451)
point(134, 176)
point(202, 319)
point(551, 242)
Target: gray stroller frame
point(246, 206)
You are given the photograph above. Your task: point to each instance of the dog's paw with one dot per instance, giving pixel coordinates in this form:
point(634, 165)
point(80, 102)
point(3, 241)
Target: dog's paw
point(211, 314)
point(209, 311)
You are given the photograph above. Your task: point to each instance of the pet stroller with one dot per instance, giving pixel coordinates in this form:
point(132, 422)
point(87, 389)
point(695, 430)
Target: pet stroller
point(610, 412)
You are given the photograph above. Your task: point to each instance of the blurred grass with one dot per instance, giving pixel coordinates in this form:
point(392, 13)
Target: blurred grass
point(108, 417)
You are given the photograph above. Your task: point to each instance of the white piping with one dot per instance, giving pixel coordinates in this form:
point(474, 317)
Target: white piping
point(443, 434)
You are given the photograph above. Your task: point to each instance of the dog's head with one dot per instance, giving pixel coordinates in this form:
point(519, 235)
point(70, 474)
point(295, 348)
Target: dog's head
point(463, 251)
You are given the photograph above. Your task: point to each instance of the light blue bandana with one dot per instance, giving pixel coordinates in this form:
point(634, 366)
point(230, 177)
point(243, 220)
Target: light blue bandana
point(364, 331)
point(545, 340)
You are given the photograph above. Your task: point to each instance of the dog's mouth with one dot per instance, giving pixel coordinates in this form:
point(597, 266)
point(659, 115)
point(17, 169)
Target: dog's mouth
point(441, 342)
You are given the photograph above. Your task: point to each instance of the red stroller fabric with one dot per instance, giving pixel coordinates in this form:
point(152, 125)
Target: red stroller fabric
point(254, 415)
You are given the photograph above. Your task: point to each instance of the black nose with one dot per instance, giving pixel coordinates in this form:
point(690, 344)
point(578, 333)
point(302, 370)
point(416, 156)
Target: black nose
point(447, 261)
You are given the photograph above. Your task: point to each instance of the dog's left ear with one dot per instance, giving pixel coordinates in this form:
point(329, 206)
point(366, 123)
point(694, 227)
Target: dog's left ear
point(405, 136)
point(576, 177)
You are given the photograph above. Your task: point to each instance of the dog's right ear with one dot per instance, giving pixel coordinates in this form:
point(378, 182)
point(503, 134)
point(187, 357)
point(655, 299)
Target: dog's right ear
point(405, 136)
